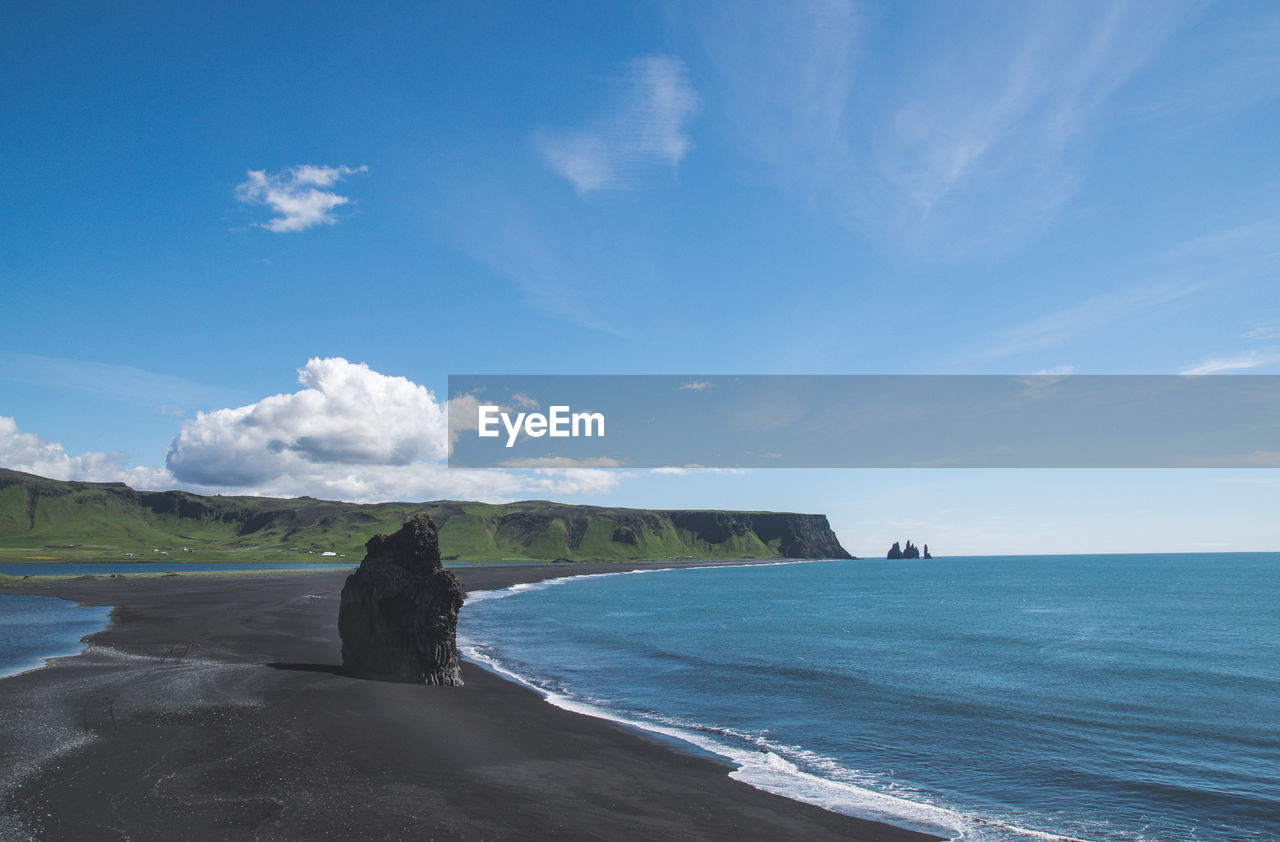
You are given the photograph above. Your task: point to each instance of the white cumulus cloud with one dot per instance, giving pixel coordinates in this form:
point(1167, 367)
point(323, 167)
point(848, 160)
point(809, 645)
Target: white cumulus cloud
point(647, 125)
point(32, 454)
point(296, 194)
point(523, 401)
point(355, 434)
point(346, 414)
point(350, 433)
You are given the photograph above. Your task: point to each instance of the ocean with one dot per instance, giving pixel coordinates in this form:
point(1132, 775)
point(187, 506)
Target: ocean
point(1116, 697)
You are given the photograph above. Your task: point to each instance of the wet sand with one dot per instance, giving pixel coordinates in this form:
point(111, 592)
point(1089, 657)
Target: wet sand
point(214, 707)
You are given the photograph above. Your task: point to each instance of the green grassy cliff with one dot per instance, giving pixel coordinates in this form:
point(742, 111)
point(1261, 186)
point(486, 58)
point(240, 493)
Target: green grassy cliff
point(48, 519)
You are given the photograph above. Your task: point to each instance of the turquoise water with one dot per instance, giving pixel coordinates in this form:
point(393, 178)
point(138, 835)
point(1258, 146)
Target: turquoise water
point(33, 628)
point(1127, 697)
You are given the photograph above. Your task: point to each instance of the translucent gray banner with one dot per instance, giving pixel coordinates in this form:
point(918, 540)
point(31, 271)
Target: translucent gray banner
point(864, 421)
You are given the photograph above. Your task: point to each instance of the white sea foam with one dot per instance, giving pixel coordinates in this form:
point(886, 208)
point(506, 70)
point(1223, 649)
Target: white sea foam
point(525, 587)
point(766, 768)
point(766, 765)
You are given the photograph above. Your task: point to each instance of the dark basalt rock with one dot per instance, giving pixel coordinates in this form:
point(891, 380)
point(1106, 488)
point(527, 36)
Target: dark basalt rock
point(911, 551)
point(797, 535)
point(399, 613)
point(625, 535)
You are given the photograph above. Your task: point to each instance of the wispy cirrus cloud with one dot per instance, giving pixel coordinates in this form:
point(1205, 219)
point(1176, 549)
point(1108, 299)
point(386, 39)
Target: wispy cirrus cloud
point(789, 69)
point(299, 195)
point(561, 273)
point(967, 131)
point(1056, 328)
point(564, 255)
point(1238, 362)
point(125, 383)
point(1237, 254)
point(1233, 64)
point(646, 125)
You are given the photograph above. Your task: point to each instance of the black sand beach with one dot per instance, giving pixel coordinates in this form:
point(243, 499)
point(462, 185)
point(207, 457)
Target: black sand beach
point(214, 708)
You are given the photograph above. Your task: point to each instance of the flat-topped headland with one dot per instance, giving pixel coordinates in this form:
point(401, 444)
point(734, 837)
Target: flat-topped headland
point(80, 520)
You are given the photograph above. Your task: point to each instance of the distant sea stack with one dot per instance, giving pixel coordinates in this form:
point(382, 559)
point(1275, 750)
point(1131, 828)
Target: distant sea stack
point(912, 551)
point(398, 617)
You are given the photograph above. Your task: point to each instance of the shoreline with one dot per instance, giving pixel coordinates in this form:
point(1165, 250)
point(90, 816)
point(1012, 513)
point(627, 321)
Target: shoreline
point(759, 768)
point(47, 648)
point(215, 704)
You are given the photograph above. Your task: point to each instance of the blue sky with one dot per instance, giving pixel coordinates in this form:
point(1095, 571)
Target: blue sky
point(203, 200)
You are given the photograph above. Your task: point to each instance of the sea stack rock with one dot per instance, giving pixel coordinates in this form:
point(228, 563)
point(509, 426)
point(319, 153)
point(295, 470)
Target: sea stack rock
point(399, 614)
point(911, 551)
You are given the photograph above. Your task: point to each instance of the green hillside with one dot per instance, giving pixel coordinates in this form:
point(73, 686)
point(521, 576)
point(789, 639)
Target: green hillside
point(44, 519)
